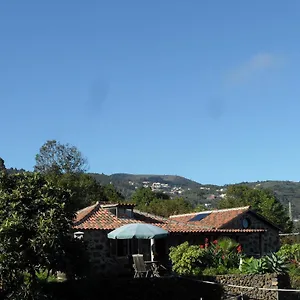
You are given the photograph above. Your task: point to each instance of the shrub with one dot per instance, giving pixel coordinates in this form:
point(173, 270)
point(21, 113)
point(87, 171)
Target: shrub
point(276, 264)
point(187, 260)
point(291, 253)
point(225, 252)
point(218, 256)
point(220, 270)
point(254, 266)
point(272, 263)
point(294, 274)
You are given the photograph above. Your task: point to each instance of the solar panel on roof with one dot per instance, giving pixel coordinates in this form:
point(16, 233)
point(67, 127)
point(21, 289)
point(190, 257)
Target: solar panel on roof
point(199, 217)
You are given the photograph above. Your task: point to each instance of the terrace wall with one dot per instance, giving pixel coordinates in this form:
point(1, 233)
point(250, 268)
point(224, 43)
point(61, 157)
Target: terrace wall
point(268, 281)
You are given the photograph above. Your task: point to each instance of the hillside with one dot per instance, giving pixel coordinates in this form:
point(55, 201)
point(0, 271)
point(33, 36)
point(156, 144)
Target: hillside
point(196, 193)
point(207, 194)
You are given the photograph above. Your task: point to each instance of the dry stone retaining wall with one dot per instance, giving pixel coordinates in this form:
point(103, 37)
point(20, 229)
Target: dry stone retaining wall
point(268, 281)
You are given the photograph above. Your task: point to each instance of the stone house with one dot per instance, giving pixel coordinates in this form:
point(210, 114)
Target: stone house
point(256, 234)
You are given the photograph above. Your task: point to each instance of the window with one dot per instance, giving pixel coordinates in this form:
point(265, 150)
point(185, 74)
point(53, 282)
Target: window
point(125, 213)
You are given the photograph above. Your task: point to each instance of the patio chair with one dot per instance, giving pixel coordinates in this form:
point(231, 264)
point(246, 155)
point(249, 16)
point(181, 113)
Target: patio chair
point(140, 268)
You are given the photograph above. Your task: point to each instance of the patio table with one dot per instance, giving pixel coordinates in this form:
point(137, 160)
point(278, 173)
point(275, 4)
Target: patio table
point(154, 266)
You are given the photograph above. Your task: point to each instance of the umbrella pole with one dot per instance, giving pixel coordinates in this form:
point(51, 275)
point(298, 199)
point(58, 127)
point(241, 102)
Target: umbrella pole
point(152, 248)
point(138, 246)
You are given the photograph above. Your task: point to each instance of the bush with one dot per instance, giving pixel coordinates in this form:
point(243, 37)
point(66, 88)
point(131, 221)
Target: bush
point(291, 253)
point(218, 256)
point(294, 274)
point(225, 252)
point(221, 270)
point(272, 263)
point(276, 263)
point(188, 260)
point(254, 266)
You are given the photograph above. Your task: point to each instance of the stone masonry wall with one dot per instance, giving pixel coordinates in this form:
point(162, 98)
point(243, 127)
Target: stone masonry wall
point(269, 239)
point(271, 281)
point(102, 262)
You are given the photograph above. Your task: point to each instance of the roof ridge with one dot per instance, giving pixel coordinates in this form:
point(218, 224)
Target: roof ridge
point(97, 205)
point(146, 214)
point(212, 211)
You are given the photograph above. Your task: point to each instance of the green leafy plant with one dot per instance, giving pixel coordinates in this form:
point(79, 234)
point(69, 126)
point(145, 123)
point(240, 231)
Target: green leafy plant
point(220, 270)
point(291, 253)
point(187, 260)
point(225, 252)
point(36, 220)
point(254, 266)
point(216, 257)
point(276, 264)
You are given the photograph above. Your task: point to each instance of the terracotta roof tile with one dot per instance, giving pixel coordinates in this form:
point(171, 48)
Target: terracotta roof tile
point(98, 218)
point(211, 219)
point(85, 211)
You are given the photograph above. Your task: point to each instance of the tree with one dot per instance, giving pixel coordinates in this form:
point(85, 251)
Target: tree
point(35, 232)
point(111, 194)
point(55, 157)
point(85, 190)
point(143, 196)
point(2, 165)
point(155, 203)
point(263, 201)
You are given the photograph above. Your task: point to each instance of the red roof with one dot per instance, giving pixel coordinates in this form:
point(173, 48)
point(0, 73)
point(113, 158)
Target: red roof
point(98, 218)
point(215, 219)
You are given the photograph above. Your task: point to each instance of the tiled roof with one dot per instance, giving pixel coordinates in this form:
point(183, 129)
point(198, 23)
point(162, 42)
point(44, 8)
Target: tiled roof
point(81, 214)
point(119, 204)
point(101, 218)
point(215, 219)
point(98, 218)
point(148, 218)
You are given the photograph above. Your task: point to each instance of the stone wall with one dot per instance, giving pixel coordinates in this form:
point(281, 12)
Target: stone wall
point(265, 242)
point(270, 281)
point(101, 260)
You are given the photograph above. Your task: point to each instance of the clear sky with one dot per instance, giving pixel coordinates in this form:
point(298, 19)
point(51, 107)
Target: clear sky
point(208, 90)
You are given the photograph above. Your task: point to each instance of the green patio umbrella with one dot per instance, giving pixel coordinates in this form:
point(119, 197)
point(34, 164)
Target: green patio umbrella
point(138, 231)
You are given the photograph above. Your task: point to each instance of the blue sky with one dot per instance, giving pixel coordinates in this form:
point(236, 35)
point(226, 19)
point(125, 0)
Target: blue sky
point(203, 89)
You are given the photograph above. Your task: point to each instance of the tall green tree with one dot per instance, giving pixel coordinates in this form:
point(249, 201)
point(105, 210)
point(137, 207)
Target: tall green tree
point(263, 201)
point(35, 232)
point(159, 204)
point(55, 157)
point(111, 194)
point(2, 165)
point(65, 165)
point(85, 190)
point(143, 196)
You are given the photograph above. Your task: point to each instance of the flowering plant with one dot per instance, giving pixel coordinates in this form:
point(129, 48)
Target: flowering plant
point(223, 252)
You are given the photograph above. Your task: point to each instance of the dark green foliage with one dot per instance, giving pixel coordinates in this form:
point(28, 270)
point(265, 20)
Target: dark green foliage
point(188, 259)
point(35, 232)
point(272, 263)
point(291, 253)
point(294, 275)
point(276, 263)
point(111, 194)
point(85, 190)
point(218, 257)
point(2, 165)
point(254, 266)
point(264, 202)
point(148, 201)
point(58, 158)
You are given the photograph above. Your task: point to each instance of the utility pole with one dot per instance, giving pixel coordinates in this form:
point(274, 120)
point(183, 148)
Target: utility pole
point(290, 212)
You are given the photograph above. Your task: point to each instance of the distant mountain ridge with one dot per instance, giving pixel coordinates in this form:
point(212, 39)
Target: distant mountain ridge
point(207, 194)
point(196, 193)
